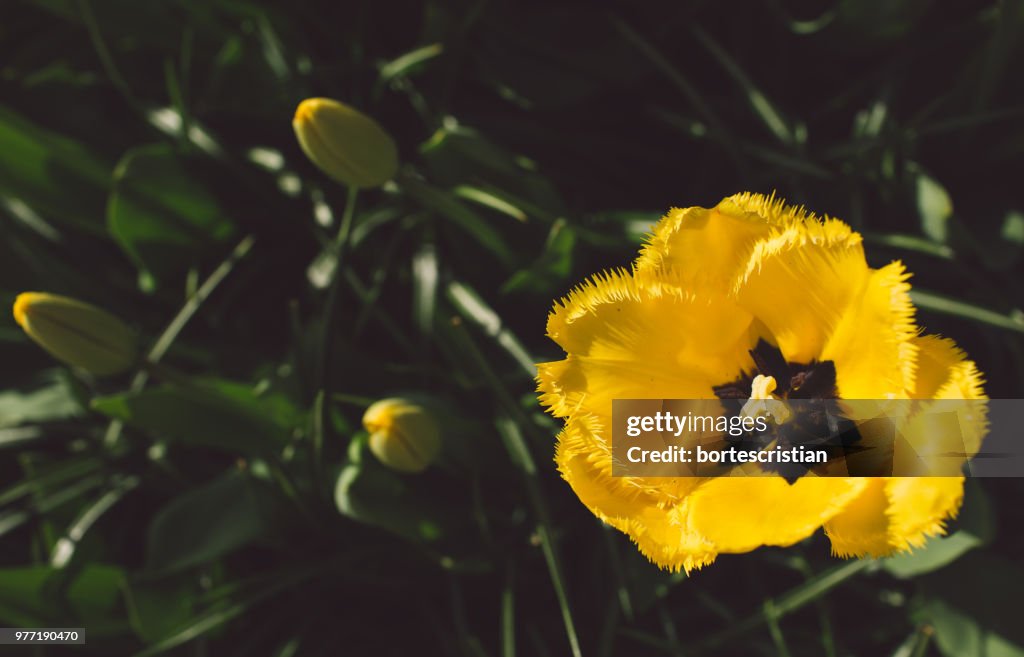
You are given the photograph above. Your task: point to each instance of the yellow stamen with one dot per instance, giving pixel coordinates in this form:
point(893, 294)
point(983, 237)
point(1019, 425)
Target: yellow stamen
point(762, 387)
point(763, 403)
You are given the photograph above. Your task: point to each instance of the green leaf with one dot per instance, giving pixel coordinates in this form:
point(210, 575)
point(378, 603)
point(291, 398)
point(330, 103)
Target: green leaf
point(160, 216)
point(96, 595)
point(974, 607)
point(551, 268)
point(450, 207)
point(938, 552)
point(425, 271)
point(366, 491)
point(476, 309)
point(275, 405)
point(56, 176)
point(41, 595)
point(1013, 228)
point(159, 608)
point(22, 599)
point(941, 303)
point(620, 228)
point(935, 207)
point(490, 200)
point(759, 103)
point(519, 453)
point(209, 522)
point(52, 402)
point(51, 478)
point(199, 416)
point(910, 243)
point(205, 623)
point(410, 62)
point(454, 152)
point(501, 180)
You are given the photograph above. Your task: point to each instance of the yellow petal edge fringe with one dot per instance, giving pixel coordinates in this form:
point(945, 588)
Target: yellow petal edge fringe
point(708, 285)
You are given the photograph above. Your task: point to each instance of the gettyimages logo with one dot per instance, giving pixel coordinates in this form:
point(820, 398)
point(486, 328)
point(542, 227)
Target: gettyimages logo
point(816, 437)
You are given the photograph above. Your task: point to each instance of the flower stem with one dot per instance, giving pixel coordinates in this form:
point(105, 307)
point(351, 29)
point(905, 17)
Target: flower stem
point(170, 333)
point(792, 600)
point(321, 403)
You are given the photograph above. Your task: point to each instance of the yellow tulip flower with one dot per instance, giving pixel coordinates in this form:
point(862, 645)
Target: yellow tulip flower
point(744, 299)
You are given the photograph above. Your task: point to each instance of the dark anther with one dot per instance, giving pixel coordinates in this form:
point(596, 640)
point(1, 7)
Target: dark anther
point(817, 381)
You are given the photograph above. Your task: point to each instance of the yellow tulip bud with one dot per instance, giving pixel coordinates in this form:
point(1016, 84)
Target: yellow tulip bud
point(346, 144)
point(77, 333)
point(403, 435)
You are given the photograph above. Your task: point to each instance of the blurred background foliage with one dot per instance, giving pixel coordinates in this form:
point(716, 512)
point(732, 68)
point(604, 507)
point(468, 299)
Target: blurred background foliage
point(147, 165)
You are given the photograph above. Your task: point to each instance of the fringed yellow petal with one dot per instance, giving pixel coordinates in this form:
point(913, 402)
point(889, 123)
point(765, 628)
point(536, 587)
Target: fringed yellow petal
point(862, 528)
point(767, 208)
point(965, 382)
point(949, 383)
point(585, 384)
point(701, 248)
point(606, 496)
point(588, 436)
point(662, 535)
point(914, 508)
point(894, 515)
point(873, 346)
point(642, 508)
point(738, 514)
point(919, 507)
point(938, 359)
point(628, 337)
point(801, 281)
point(560, 387)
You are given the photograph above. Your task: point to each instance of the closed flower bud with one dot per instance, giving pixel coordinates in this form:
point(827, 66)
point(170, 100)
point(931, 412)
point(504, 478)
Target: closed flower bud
point(77, 333)
point(346, 144)
point(403, 435)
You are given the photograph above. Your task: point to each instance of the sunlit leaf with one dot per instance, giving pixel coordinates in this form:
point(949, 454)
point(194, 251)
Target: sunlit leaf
point(935, 208)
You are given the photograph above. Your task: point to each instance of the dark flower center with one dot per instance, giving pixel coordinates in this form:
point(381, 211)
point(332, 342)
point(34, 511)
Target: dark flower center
point(814, 380)
point(816, 422)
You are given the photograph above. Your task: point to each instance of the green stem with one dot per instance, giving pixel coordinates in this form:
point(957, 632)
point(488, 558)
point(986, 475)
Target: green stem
point(521, 454)
point(174, 328)
point(355, 400)
point(106, 59)
point(170, 334)
point(340, 248)
point(279, 472)
point(321, 404)
point(792, 600)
